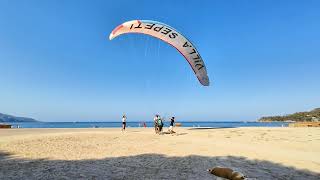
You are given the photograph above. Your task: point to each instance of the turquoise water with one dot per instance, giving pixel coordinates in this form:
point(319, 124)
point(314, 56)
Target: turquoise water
point(149, 124)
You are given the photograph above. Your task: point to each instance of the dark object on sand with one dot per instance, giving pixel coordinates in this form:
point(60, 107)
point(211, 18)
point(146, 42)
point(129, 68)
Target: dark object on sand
point(226, 173)
point(5, 126)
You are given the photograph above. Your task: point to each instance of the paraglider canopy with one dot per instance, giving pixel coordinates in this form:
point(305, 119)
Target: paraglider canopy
point(170, 36)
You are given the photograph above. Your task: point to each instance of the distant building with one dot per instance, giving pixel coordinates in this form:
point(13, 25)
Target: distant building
point(315, 119)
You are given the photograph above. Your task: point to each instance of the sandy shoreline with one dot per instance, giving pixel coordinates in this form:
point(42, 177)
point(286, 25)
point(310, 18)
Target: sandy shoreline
point(260, 153)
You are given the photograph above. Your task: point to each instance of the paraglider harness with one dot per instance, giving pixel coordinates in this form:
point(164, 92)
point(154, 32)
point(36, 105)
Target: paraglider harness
point(159, 124)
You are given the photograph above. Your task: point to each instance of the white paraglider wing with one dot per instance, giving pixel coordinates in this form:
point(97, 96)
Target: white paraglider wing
point(172, 37)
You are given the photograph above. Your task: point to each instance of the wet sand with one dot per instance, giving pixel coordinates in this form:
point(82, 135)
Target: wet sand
point(138, 153)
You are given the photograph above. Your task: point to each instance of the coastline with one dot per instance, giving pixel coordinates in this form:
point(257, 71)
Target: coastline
point(132, 124)
point(108, 153)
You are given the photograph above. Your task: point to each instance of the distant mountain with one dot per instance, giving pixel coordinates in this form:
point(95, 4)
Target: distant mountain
point(313, 115)
point(9, 118)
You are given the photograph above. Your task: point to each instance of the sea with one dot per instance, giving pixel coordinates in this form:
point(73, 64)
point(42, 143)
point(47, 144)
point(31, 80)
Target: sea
point(202, 124)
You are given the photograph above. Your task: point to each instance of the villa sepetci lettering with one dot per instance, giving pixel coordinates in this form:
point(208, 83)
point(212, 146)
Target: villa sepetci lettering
point(161, 29)
point(196, 58)
point(171, 34)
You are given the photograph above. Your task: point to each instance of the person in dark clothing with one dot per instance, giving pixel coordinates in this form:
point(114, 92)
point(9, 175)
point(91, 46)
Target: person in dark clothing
point(171, 125)
point(160, 124)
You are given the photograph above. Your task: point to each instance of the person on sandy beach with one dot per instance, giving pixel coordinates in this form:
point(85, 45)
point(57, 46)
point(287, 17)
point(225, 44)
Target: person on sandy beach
point(160, 124)
point(171, 125)
point(155, 119)
point(124, 122)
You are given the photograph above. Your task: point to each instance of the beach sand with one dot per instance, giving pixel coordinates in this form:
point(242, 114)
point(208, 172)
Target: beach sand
point(138, 153)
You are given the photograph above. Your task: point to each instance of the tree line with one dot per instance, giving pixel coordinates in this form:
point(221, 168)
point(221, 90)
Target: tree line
point(313, 115)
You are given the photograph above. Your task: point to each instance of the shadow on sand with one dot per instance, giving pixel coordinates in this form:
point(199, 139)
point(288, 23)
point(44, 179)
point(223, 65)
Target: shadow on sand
point(173, 134)
point(144, 166)
point(206, 128)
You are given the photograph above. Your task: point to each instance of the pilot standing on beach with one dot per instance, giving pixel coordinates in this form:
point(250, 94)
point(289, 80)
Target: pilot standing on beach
point(155, 120)
point(124, 122)
point(171, 125)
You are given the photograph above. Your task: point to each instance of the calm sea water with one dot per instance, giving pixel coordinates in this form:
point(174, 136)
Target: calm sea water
point(149, 124)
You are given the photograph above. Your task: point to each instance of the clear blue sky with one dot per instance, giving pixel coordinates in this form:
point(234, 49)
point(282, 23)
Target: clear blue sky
point(57, 64)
